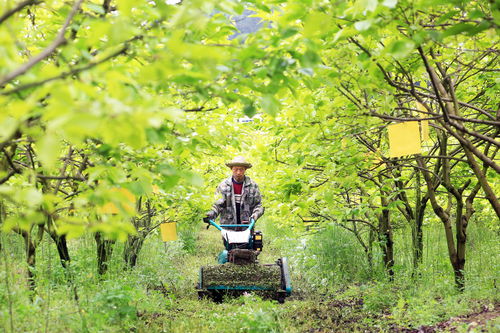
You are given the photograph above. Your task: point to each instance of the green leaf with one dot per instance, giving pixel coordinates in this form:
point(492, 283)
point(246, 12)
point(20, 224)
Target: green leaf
point(139, 188)
point(289, 32)
point(170, 176)
point(249, 110)
point(447, 16)
point(115, 227)
point(306, 71)
point(316, 23)
point(76, 126)
point(458, 29)
point(49, 149)
point(98, 9)
point(419, 37)
point(369, 5)
point(262, 7)
point(309, 59)
point(7, 127)
point(390, 3)
point(125, 6)
point(194, 179)
point(475, 14)
point(484, 25)
point(270, 105)
point(401, 49)
point(435, 35)
point(363, 25)
point(23, 221)
point(72, 227)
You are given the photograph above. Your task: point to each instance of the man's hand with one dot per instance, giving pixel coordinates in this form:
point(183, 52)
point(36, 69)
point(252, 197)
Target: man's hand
point(254, 217)
point(209, 216)
point(207, 219)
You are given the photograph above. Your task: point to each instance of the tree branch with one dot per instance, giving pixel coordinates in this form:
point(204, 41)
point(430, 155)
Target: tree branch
point(63, 75)
point(6, 178)
point(18, 8)
point(60, 39)
point(63, 169)
point(200, 109)
point(60, 177)
point(476, 121)
point(9, 160)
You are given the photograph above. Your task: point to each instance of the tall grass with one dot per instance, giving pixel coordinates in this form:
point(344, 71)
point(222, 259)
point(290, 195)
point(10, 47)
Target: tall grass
point(332, 259)
point(105, 303)
point(159, 293)
point(335, 256)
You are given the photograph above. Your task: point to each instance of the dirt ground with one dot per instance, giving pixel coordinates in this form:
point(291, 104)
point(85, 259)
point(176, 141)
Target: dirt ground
point(486, 320)
point(347, 316)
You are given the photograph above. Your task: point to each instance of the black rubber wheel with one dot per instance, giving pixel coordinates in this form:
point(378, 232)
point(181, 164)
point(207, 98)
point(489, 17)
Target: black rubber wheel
point(202, 294)
point(216, 296)
point(280, 296)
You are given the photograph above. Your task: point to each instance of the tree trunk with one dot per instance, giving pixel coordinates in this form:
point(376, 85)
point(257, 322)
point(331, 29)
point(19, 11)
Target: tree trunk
point(131, 251)
point(419, 243)
point(387, 243)
point(412, 213)
point(369, 252)
point(104, 252)
point(458, 262)
point(417, 234)
point(59, 240)
point(2, 218)
point(30, 260)
point(385, 236)
point(62, 248)
point(456, 245)
point(30, 245)
point(143, 225)
point(461, 238)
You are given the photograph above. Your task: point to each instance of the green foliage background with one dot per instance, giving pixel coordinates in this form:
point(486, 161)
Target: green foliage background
point(104, 100)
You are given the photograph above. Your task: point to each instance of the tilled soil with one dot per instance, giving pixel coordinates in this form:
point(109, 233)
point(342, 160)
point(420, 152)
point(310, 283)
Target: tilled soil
point(265, 276)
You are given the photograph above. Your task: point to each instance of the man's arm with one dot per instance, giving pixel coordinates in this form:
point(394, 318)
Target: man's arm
point(258, 210)
point(217, 206)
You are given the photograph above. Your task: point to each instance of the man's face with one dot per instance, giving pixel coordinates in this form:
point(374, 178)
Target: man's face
point(238, 173)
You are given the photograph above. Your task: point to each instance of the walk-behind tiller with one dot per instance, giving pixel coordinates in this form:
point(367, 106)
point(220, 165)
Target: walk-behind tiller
point(238, 270)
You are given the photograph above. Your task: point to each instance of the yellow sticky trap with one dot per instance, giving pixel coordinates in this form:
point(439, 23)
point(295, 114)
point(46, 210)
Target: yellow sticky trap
point(424, 128)
point(109, 208)
point(128, 204)
point(168, 231)
point(424, 124)
point(421, 108)
point(404, 139)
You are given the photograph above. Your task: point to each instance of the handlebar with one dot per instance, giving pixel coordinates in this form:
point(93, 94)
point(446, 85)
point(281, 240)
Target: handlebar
point(220, 226)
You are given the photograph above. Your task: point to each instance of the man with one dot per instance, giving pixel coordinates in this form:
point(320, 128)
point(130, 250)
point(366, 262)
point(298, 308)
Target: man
point(240, 198)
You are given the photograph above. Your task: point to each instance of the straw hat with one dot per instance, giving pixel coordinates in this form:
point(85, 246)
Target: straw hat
point(239, 161)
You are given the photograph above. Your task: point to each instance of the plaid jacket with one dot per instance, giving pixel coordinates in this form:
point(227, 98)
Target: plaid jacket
point(225, 206)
